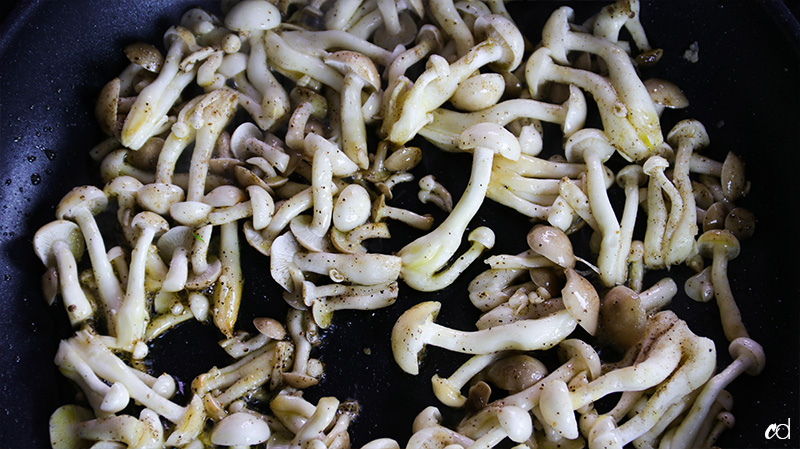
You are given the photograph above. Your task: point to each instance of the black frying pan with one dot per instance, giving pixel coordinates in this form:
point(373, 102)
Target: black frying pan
point(55, 56)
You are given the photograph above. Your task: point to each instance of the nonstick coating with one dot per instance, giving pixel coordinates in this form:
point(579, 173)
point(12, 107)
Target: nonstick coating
point(56, 55)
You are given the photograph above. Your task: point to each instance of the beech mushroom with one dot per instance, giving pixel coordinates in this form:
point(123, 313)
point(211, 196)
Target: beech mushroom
point(501, 47)
point(252, 18)
point(721, 246)
point(60, 244)
point(425, 259)
point(149, 111)
point(133, 315)
point(748, 358)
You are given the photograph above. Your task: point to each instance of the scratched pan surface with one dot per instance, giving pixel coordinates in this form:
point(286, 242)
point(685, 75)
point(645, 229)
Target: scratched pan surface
point(56, 55)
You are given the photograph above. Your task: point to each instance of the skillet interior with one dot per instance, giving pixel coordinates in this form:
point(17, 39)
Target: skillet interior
point(57, 55)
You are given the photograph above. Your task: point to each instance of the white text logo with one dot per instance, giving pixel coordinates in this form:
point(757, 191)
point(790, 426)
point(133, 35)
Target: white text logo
point(779, 431)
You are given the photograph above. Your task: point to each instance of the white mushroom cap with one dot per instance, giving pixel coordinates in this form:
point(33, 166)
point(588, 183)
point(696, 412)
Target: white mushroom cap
point(250, 15)
point(493, 136)
point(352, 208)
point(59, 230)
point(240, 429)
point(81, 197)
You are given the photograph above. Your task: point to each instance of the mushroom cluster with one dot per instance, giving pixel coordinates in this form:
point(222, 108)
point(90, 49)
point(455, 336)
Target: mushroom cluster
point(290, 126)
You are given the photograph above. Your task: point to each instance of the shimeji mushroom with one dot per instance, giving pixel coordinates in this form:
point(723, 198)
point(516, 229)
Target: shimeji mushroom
point(188, 420)
point(416, 328)
point(248, 142)
point(325, 300)
point(721, 246)
point(240, 429)
point(624, 313)
point(577, 355)
point(133, 314)
point(501, 48)
point(81, 204)
point(431, 191)
point(308, 105)
point(687, 136)
point(311, 231)
point(252, 18)
point(295, 63)
point(425, 260)
point(448, 389)
point(227, 295)
point(175, 245)
point(447, 125)
point(211, 116)
point(593, 147)
point(453, 25)
point(149, 111)
point(304, 333)
point(72, 426)
point(324, 42)
point(59, 244)
point(632, 143)
point(748, 358)
point(689, 361)
point(360, 74)
point(560, 39)
point(478, 92)
point(219, 387)
point(381, 211)
point(391, 25)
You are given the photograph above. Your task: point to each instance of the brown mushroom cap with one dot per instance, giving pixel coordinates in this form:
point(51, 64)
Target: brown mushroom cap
point(622, 318)
point(145, 55)
point(553, 244)
point(251, 15)
point(516, 372)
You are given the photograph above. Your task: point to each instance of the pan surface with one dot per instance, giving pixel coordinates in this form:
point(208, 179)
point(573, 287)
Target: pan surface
point(745, 88)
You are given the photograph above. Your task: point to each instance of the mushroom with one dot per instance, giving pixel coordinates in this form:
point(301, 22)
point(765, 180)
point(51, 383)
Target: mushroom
point(425, 259)
point(106, 365)
point(678, 358)
point(382, 211)
point(221, 386)
point(748, 357)
point(560, 39)
point(304, 333)
point(577, 357)
point(149, 111)
point(133, 315)
point(687, 136)
point(416, 328)
point(593, 147)
point(325, 300)
point(359, 74)
point(446, 14)
point(721, 246)
point(175, 246)
point(59, 244)
point(310, 232)
point(501, 48)
point(431, 191)
point(446, 125)
point(252, 18)
point(624, 313)
point(213, 113)
point(631, 144)
point(448, 389)
point(240, 429)
point(228, 289)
